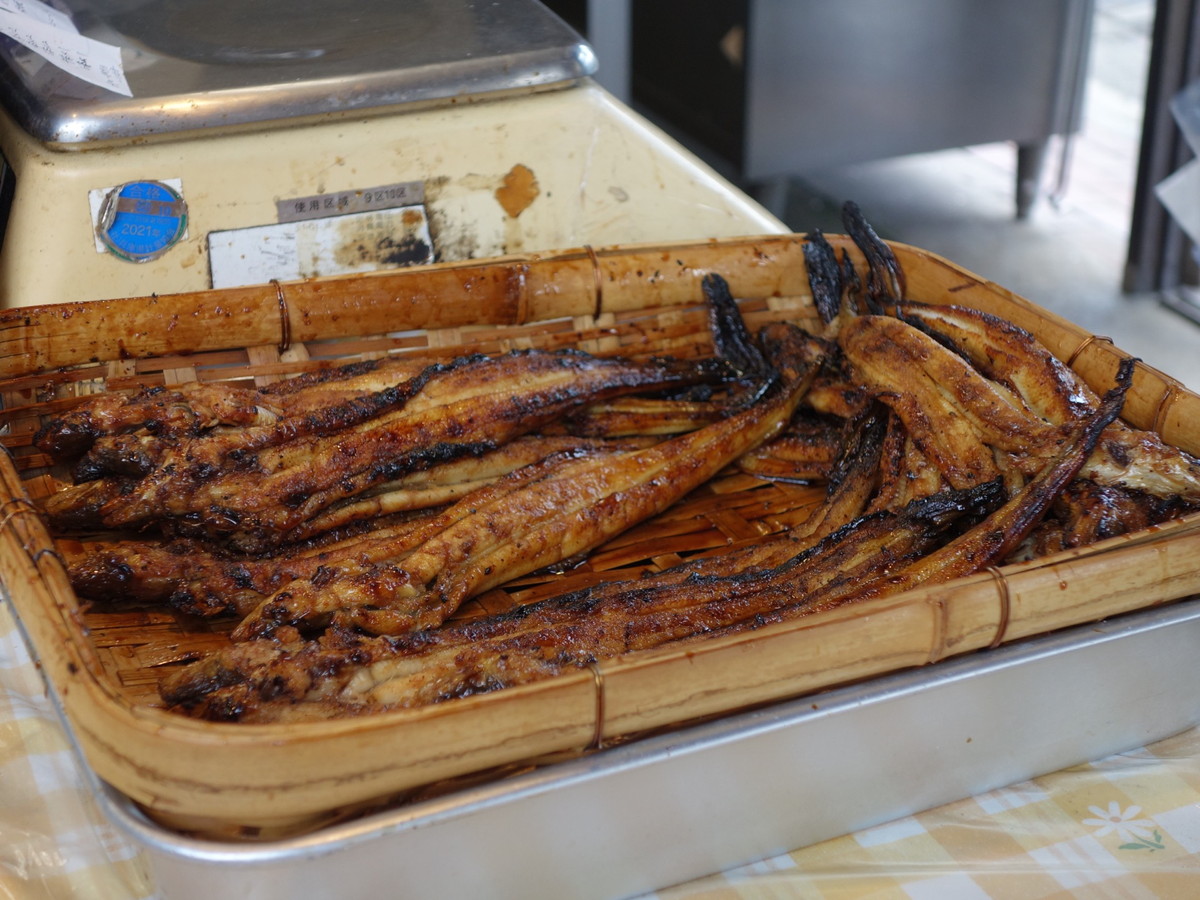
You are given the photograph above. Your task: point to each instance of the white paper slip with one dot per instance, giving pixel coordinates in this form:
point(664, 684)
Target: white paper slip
point(51, 35)
point(40, 12)
point(1180, 194)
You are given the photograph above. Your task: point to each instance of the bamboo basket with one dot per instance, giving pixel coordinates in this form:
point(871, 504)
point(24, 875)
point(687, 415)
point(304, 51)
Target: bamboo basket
point(257, 781)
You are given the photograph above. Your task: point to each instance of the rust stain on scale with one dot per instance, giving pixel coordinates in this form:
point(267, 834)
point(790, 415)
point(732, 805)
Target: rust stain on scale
point(518, 190)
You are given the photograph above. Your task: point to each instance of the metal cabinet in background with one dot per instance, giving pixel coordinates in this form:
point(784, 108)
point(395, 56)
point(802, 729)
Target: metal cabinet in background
point(777, 88)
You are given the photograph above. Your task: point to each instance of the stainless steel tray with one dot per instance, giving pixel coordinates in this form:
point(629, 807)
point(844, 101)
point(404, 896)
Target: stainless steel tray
point(667, 809)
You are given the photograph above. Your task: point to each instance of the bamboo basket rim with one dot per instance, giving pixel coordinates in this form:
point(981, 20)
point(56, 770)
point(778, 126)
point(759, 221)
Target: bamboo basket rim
point(279, 322)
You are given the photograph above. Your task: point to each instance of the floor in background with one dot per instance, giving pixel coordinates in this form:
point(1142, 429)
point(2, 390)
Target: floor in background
point(1069, 255)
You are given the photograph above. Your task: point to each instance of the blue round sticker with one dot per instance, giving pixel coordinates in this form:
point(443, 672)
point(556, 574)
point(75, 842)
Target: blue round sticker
point(142, 220)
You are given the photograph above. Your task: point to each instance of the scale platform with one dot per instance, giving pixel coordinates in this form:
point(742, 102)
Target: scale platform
point(219, 64)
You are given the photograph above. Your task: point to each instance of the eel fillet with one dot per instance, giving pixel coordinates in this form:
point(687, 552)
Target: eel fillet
point(191, 409)
point(199, 578)
point(346, 673)
point(1125, 456)
point(954, 415)
point(253, 489)
point(806, 451)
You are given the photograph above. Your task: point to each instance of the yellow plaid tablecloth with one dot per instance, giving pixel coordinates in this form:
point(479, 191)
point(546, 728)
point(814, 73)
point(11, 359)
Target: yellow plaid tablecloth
point(1127, 826)
point(1123, 827)
point(54, 843)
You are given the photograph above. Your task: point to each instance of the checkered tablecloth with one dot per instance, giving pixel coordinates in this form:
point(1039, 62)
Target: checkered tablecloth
point(1123, 827)
point(54, 843)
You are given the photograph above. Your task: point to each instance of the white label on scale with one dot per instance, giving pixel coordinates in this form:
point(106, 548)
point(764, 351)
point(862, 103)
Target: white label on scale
point(342, 203)
point(53, 36)
point(338, 245)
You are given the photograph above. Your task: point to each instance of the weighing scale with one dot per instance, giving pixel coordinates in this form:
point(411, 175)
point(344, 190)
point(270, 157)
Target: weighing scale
point(287, 140)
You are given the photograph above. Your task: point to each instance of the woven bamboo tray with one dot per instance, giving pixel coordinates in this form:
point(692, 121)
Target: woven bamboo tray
point(255, 781)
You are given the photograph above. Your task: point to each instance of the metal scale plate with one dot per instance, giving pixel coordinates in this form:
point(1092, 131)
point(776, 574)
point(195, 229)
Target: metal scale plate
point(217, 64)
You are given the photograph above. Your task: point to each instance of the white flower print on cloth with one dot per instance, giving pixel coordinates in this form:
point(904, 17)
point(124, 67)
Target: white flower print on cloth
point(1138, 834)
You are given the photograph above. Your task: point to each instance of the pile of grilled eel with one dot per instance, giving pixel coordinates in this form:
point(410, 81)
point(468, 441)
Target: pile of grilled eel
point(342, 517)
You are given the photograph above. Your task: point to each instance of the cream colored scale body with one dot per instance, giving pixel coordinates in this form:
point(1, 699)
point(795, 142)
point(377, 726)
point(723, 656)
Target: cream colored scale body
point(539, 171)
